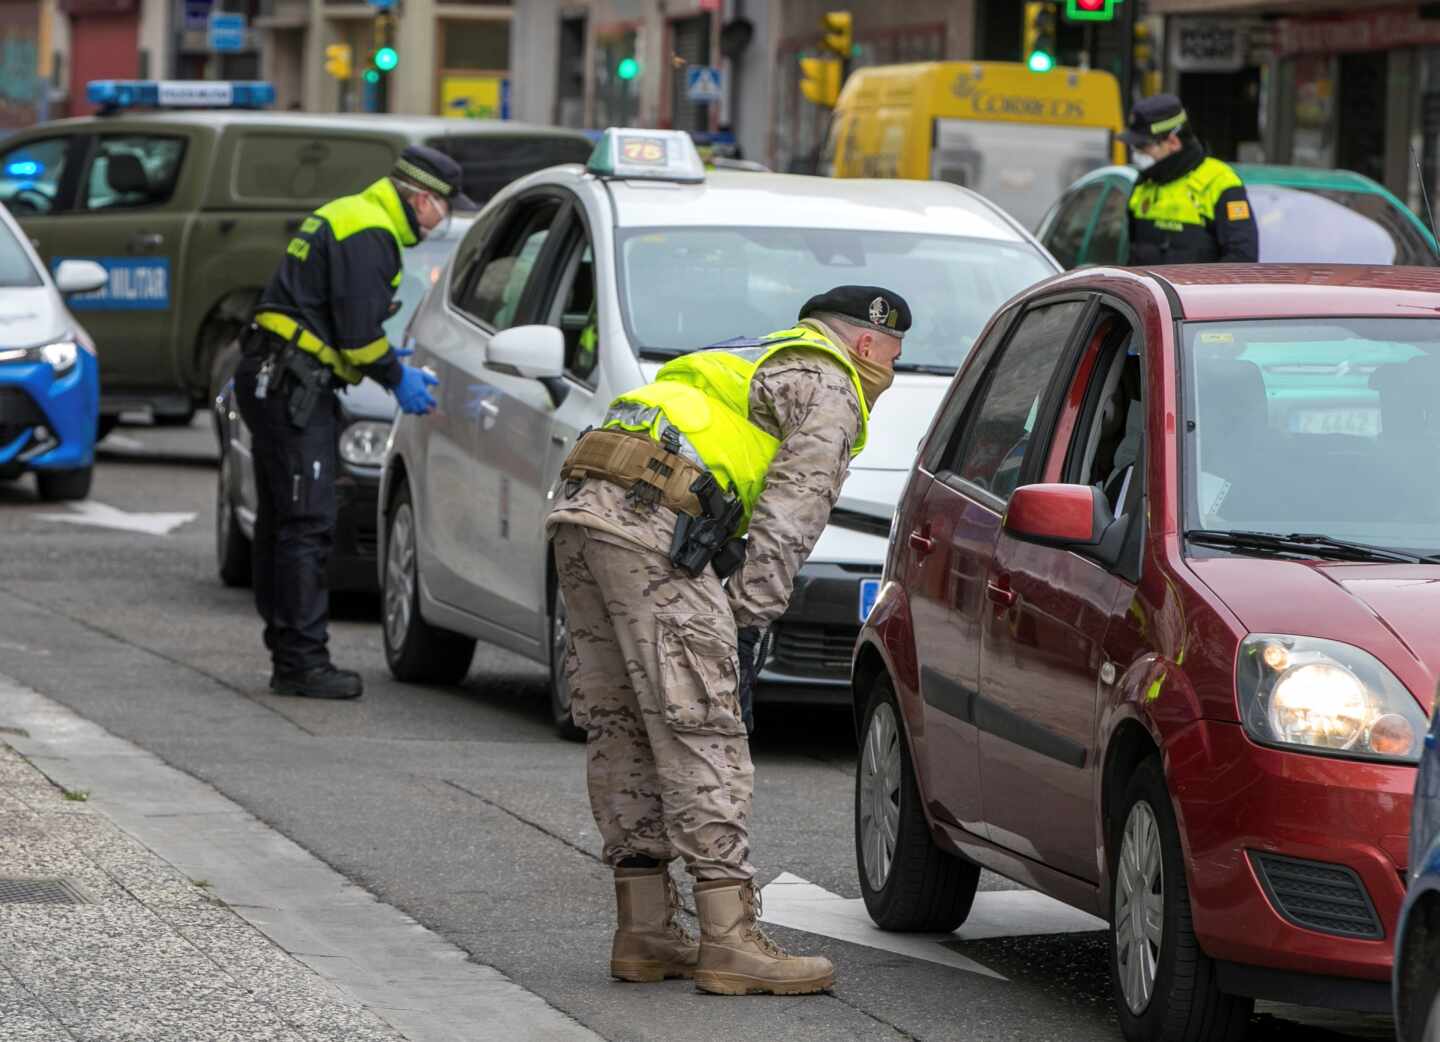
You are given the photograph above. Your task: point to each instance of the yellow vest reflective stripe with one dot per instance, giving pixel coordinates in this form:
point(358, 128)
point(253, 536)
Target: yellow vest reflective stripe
point(706, 396)
point(1186, 200)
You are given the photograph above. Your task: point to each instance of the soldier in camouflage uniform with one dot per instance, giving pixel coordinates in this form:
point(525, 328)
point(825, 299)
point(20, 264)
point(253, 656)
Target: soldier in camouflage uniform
point(652, 661)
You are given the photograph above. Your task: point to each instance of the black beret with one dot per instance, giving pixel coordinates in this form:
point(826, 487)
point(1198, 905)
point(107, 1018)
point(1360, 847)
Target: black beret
point(884, 309)
point(435, 172)
point(1157, 116)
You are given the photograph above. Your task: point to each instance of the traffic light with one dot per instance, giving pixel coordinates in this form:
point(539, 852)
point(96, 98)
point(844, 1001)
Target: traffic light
point(385, 57)
point(337, 60)
point(1040, 35)
point(628, 69)
point(820, 80)
point(839, 33)
point(1090, 10)
point(1142, 56)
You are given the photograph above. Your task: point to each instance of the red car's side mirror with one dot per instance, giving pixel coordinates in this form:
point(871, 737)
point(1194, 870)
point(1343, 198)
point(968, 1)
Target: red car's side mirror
point(1058, 515)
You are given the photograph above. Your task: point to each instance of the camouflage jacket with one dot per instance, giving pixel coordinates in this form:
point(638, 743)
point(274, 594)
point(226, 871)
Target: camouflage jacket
point(807, 402)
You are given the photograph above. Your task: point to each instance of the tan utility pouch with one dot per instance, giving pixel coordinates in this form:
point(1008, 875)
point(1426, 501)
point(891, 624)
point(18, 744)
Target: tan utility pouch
point(627, 459)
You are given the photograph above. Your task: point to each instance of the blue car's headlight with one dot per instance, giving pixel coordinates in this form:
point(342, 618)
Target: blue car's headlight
point(1322, 696)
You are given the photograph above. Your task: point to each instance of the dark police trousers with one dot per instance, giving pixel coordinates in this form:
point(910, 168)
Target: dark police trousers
point(294, 520)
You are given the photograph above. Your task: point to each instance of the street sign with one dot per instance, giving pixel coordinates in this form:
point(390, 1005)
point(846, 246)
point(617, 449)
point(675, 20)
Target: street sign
point(226, 31)
point(704, 84)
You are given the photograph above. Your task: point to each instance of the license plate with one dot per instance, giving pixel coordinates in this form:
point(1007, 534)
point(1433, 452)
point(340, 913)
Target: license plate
point(1362, 422)
point(869, 591)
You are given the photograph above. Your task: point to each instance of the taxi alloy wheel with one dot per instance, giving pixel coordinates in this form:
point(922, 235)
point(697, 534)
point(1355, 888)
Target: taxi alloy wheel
point(908, 882)
point(232, 549)
point(1164, 985)
point(559, 686)
point(415, 651)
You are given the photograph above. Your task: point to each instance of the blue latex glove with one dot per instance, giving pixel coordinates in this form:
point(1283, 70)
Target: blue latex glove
point(412, 392)
point(402, 352)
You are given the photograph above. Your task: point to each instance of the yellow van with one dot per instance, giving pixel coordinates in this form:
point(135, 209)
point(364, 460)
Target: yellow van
point(1017, 137)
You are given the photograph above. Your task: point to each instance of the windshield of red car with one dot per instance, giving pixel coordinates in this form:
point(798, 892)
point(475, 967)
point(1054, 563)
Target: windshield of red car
point(1316, 426)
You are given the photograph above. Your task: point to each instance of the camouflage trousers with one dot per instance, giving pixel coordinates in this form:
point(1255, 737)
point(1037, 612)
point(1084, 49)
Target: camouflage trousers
point(652, 671)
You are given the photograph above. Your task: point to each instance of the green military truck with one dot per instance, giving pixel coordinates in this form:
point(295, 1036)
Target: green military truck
point(189, 212)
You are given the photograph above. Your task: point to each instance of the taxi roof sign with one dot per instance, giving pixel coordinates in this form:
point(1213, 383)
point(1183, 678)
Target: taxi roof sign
point(113, 95)
point(650, 155)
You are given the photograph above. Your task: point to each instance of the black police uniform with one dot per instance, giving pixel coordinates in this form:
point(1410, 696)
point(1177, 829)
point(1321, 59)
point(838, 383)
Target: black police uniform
point(319, 325)
point(1189, 208)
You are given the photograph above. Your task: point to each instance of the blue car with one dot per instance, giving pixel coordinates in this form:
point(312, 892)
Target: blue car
point(1417, 941)
point(49, 375)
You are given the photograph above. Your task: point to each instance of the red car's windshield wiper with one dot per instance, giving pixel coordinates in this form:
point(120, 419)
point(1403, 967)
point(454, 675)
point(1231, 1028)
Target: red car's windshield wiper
point(1310, 543)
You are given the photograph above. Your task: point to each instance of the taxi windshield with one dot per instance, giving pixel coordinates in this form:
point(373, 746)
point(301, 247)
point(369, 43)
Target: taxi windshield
point(1325, 427)
point(16, 269)
point(684, 288)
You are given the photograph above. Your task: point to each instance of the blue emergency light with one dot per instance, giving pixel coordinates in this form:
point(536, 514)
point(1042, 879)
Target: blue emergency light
point(159, 94)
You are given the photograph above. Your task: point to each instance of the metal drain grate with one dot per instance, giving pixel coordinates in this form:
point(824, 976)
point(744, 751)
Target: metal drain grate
point(40, 892)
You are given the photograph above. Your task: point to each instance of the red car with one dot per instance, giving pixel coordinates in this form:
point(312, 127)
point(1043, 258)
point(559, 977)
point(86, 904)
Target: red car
point(1160, 628)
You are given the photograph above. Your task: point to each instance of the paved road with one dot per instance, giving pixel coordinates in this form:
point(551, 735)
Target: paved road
point(458, 806)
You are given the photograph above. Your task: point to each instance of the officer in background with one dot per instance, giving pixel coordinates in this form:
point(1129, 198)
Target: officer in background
point(319, 326)
point(752, 436)
point(1186, 207)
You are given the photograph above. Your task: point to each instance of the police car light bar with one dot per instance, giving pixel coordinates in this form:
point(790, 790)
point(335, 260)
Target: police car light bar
point(648, 155)
point(157, 94)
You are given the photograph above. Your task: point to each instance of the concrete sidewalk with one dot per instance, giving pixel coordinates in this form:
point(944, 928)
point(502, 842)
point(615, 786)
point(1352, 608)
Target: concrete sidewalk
point(104, 938)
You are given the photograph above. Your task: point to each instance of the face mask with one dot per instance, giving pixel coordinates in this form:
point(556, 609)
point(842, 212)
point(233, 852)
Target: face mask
point(1140, 161)
point(874, 378)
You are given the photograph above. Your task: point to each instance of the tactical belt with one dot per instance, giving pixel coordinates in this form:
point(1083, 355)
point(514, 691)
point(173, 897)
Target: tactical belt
point(628, 459)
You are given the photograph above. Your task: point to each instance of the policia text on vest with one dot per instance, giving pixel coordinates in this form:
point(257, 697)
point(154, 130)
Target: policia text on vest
point(318, 326)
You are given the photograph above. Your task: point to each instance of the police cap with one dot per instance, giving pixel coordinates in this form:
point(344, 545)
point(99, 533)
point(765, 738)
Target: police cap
point(1153, 118)
point(434, 171)
point(883, 309)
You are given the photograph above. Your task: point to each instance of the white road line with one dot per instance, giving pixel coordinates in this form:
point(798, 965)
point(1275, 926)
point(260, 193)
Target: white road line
point(101, 515)
point(801, 905)
point(122, 441)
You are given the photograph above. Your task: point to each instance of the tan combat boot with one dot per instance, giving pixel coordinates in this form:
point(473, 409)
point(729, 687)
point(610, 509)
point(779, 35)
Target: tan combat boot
point(650, 944)
point(736, 958)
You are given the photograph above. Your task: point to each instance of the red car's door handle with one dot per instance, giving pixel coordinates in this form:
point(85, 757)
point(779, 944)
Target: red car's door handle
point(921, 542)
point(999, 592)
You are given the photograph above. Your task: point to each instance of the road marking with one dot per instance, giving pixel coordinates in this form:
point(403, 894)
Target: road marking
point(801, 905)
point(121, 441)
point(101, 515)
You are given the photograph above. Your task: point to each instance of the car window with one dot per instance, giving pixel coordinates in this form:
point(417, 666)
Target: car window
point(1110, 239)
point(1066, 235)
point(1321, 226)
point(31, 176)
point(422, 265)
point(999, 423)
point(497, 288)
point(489, 162)
point(16, 268)
point(1323, 426)
point(575, 311)
point(1104, 448)
point(300, 170)
point(686, 287)
point(133, 170)
point(946, 428)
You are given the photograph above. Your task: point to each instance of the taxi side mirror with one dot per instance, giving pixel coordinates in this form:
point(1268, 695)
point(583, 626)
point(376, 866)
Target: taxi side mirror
point(537, 352)
point(80, 276)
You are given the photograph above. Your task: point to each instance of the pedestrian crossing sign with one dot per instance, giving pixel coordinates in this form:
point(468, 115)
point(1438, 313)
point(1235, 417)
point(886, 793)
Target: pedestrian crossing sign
point(703, 84)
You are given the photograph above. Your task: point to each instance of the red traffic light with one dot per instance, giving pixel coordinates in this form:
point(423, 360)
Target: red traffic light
point(1090, 10)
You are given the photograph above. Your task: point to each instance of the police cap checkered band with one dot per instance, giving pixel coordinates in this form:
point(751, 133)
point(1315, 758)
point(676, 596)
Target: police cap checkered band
point(873, 306)
point(423, 178)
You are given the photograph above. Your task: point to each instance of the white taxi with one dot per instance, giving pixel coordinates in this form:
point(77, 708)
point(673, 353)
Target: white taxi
point(576, 284)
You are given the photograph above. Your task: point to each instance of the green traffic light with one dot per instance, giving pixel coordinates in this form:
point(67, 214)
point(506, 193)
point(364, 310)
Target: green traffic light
point(1040, 61)
point(628, 69)
point(386, 59)
point(372, 76)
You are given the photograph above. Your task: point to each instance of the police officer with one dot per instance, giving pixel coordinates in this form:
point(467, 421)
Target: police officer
point(752, 436)
point(318, 326)
point(1187, 207)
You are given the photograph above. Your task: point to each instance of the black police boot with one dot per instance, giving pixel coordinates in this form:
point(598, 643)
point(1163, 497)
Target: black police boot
point(320, 682)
